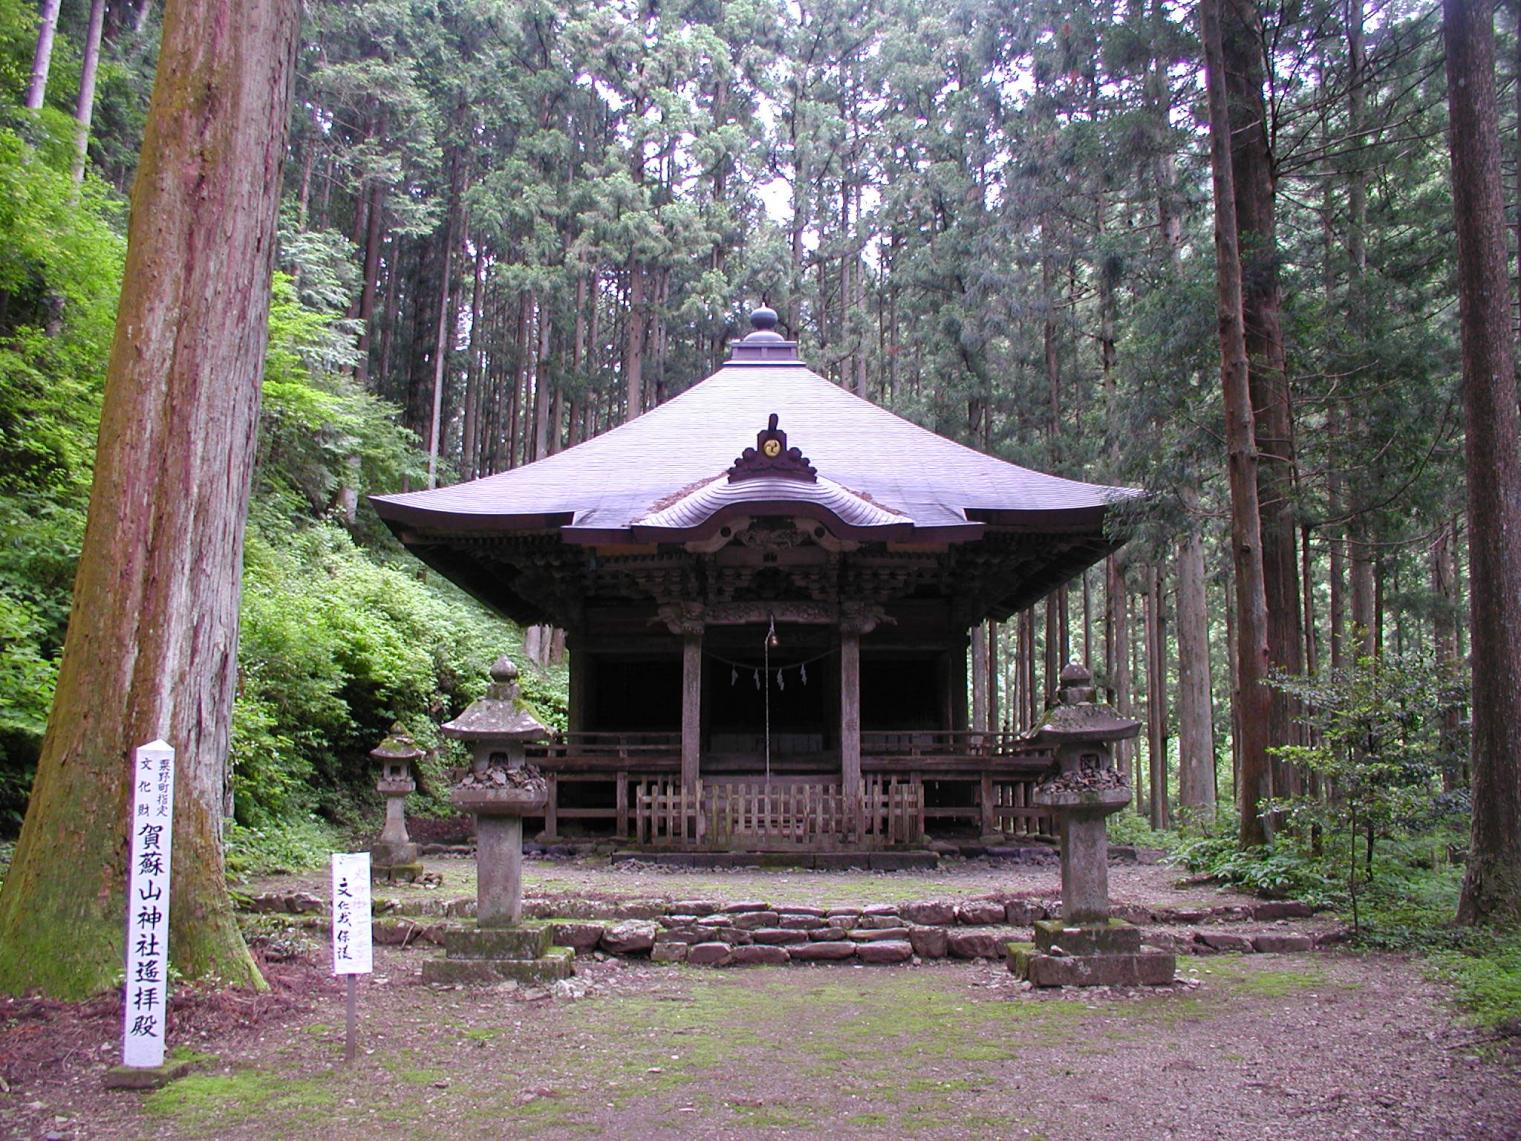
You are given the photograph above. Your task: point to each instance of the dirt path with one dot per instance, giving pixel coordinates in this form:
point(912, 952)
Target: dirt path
point(1151, 885)
point(1328, 1044)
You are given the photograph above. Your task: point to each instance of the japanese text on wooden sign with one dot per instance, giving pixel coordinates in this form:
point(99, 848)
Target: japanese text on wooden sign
point(352, 951)
point(146, 1000)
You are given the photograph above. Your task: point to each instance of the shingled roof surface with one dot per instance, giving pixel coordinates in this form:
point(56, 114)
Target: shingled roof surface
point(615, 485)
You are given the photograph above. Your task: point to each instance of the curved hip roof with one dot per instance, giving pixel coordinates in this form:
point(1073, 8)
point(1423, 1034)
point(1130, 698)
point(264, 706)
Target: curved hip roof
point(606, 489)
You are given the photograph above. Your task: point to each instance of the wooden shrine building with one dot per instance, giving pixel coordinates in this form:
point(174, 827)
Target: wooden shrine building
point(767, 585)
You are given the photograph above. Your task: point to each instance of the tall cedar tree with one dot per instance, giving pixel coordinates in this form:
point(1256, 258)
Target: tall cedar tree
point(1492, 887)
point(151, 649)
point(1253, 699)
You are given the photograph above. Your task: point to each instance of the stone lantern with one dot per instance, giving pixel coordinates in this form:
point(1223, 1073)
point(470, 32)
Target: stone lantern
point(393, 855)
point(499, 789)
point(1086, 947)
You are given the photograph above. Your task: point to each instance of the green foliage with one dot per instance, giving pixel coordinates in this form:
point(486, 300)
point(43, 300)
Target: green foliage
point(1486, 979)
point(291, 845)
point(1133, 828)
point(60, 268)
point(335, 648)
point(1279, 871)
point(1383, 733)
point(320, 432)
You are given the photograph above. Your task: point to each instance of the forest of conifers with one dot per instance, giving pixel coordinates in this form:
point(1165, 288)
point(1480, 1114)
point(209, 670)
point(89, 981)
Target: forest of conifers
point(510, 225)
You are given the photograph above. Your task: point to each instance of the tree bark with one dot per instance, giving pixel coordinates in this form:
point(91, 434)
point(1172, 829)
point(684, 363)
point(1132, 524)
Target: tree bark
point(1196, 724)
point(1267, 375)
point(1492, 885)
point(1252, 662)
point(1156, 699)
point(42, 58)
point(1116, 651)
point(84, 107)
point(151, 649)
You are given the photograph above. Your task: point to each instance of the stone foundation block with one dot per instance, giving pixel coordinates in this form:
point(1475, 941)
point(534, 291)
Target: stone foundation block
point(1147, 967)
point(521, 943)
point(631, 937)
point(145, 1077)
point(929, 942)
point(558, 963)
point(410, 871)
point(876, 934)
point(930, 912)
point(760, 954)
point(754, 920)
point(582, 938)
point(841, 861)
point(668, 953)
point(902, 861)
point(693, 907)
point(1281, 909)
point(881, 909)
point(1023, 912)
point(744, 905)
point(776, 936)
point(1115, 937)
point(1224, 941)
point(880, 922)
point(973, 943)
point(710, 954)
point(801, 909)
point(885, 951)
point(1276, 943)
point(822, 952)
point(801, 922)
point(981, 912)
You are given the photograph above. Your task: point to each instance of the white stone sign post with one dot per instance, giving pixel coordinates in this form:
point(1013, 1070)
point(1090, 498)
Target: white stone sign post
point(353, 950)
point(145, 1002)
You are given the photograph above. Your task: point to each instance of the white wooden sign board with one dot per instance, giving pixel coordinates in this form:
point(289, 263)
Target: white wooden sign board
point(353, 953)
point(145, 1003)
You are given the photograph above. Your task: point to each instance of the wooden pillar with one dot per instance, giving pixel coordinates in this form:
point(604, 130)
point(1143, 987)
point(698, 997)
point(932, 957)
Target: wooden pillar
point(551, 811)
point(956, 690)
point(691, 708)
point(580, 678)
point(850, 723)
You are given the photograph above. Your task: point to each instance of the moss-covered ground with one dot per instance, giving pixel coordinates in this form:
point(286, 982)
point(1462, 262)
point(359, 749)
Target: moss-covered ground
point(951, 1050)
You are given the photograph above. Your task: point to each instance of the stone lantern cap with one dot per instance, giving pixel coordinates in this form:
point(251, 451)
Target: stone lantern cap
point(500, 715)
point(1078, 717)
point(398, 748)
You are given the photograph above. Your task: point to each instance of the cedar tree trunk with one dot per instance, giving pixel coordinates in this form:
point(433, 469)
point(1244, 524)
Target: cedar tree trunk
point(151, 649)
point(1253, 699)
point(1492, 885)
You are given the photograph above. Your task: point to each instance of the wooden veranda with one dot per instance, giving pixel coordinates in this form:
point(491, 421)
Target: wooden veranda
point(914, 783)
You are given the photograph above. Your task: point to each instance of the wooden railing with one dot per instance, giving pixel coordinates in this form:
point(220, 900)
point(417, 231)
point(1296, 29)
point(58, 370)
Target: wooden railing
point(1014, 815)
point(947, 743)
point(622, 746)
point(782, 813)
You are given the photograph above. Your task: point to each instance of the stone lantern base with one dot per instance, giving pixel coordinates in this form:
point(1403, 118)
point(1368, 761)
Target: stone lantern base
point(1107, 953)
point(500, 954)
point(390, 861)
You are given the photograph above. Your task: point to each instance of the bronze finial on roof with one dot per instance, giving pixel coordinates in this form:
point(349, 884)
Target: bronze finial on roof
point(764, 345)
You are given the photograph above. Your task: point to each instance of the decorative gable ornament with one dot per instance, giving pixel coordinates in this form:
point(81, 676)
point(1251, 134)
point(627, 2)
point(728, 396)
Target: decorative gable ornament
point(772, 457)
